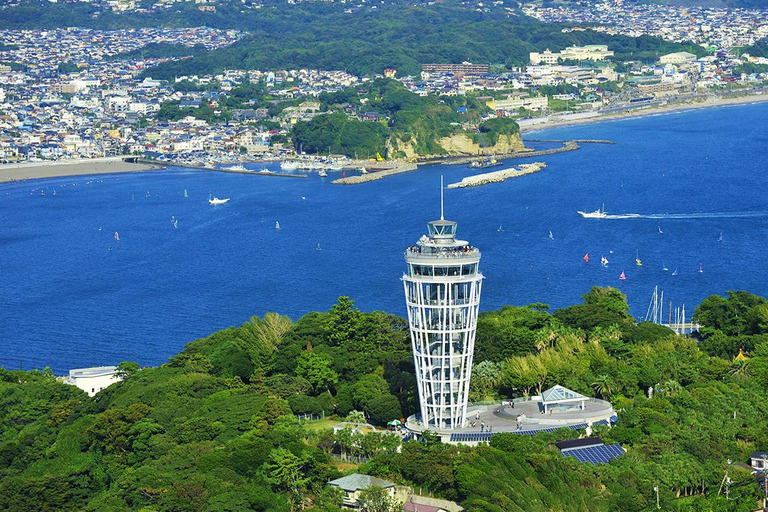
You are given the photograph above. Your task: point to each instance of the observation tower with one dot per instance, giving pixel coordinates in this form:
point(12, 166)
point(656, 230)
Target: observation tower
point(442, 294)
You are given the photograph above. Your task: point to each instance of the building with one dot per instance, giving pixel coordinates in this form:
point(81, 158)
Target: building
point(512, 104)
point(442, 293)
point(93, 380)
point(354, 483)
point(759, 461)
point(588, 52)
point(465, 68)
point(677, 58)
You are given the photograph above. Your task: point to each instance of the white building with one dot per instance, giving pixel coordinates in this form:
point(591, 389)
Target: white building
point(677, 58)
point(442, 293)
point(588, 52)
point(93, 380)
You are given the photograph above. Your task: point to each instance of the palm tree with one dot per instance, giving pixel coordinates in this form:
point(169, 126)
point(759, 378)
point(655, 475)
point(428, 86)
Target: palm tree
point(741, 369)
point(603, 386)
point(356, 417)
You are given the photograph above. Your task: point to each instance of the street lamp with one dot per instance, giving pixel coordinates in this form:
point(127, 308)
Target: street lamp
point(656, 488)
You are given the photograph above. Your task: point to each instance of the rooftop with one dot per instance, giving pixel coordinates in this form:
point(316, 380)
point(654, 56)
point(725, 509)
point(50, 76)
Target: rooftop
point(356, 481)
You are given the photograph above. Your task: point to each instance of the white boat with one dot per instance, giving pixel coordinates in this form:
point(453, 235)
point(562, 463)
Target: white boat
point(597, 214)
point(215, 200)
point(277, 225)
point(237, 167)
point(500, 228)
point(551, 237)
point(289, 165)
point(363, 170)
point(604, 261)
point(721, 237)
point(322, 174)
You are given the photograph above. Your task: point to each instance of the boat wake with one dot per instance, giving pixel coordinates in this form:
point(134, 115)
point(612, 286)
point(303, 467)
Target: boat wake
point(695, 215)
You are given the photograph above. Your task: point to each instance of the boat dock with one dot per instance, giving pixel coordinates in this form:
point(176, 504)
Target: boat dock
point(219, 169)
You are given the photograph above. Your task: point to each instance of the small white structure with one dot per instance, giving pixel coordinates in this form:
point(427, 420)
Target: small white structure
point(558, 396)
point(93, 380)
point(354, 483)
point(759, 461)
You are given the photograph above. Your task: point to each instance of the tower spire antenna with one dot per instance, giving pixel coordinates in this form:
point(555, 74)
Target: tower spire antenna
point(441, 198)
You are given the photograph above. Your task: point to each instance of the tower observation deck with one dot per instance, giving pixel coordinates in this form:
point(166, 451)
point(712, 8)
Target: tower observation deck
point(442, 293)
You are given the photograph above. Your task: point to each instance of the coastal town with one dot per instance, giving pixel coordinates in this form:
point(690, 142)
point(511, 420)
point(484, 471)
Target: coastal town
point(73, 94)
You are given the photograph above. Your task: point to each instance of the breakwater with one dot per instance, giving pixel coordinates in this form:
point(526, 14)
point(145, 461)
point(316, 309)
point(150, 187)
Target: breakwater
point(395, 168)
point(220, 169)
point(498, 176)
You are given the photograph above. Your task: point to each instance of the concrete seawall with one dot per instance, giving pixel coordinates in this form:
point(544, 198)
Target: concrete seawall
point(498, 176)
point(220, 169)
point(377, 175)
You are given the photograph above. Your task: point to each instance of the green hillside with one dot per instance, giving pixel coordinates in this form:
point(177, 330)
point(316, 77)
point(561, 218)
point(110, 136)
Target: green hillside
point(215, 427)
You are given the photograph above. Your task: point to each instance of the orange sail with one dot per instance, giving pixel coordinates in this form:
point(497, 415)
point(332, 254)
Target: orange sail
point(586, 258)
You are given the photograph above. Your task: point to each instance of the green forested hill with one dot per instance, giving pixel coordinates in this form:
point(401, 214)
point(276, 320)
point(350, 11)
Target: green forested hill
point(364, 41)
point(214, 429)
point(402, 37)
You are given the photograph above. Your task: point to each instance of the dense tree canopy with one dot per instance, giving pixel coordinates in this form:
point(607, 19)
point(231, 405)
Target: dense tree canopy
point(215, 427)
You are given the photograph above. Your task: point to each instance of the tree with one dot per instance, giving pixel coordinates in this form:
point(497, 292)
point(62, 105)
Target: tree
point(317, 370)
point(377, 499)
point(343, 322)
point(603, 386)
point(285, 473)
point(356, 416)
point(384, 408)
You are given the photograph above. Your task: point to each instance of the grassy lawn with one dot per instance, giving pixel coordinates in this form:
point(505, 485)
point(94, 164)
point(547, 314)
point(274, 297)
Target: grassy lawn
point(320, 424)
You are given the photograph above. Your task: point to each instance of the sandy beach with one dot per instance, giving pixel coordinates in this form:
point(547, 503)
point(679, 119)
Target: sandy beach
point(40, 170)
point(663, 109)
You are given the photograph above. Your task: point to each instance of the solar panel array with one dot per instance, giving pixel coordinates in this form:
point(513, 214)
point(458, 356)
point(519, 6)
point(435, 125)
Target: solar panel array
point(596, 454)
point(478, 437)
point(472, 437)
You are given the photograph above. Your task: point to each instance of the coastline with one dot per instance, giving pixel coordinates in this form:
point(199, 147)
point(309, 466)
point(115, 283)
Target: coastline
point(41, 170)
point(663, 109)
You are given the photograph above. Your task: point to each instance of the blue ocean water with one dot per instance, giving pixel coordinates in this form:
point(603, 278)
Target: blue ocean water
point(70, 296)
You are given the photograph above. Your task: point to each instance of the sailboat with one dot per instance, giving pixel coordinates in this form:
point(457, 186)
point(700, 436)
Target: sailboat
point(501, 229)
point(604, 261)
point(660, 231)
point(117, 237)
point(638, 261)
point(175, 223)
point(623, 276)
point(277, 225)
point(586, 258)
point(550, 236)
point(721, 237)
point(701, 268)
point(185, 193)
point(674, 273)
point(664, 267)
point(54, 191)
point(318, 247)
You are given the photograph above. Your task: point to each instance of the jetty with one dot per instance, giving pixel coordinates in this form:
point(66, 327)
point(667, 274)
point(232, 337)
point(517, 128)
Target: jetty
point(498, 176)
point(373, 175)
point(220, 169)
